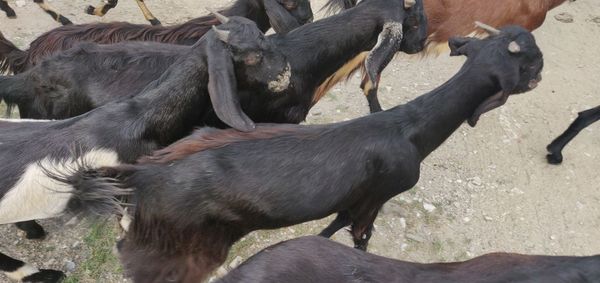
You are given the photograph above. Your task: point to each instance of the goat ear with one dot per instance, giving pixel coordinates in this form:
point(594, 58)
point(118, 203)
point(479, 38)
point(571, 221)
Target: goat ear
point(281, 20)
point(222, 87)
point(508, 78)
point(459, 45)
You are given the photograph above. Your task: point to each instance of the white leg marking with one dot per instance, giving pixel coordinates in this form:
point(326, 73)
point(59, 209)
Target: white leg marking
point(22, 272)
point(36, 196)
point(125, 220)
point(23, 120)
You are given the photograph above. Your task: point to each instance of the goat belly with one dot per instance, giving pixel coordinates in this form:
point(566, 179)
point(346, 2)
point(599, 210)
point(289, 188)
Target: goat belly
point(37, 196)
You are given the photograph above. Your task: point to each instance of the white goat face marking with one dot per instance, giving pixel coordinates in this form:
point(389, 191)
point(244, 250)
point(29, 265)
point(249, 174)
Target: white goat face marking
point(37, 196)
point(22, 272)
point(283, 80)
point(391, 30)
point(23, 120)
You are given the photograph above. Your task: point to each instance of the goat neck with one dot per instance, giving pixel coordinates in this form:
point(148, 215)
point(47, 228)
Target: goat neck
point(171, 101)
point(327, 45)
point(436, 115)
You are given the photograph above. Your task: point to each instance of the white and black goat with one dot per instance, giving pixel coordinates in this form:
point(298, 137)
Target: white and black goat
point(197, 197)
point(316, 259)
point(121, 132)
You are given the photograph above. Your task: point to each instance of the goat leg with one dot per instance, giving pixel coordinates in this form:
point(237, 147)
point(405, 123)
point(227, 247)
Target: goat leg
point(10, 13)
point(32, 229)
point(20, 271)
point(361, 236)
point(281, 20)
point(342, 220)
point(362, 226)
point(583, 120)
point(371, 93)
point(147, 14)
point(50, 11)
point(101, 10)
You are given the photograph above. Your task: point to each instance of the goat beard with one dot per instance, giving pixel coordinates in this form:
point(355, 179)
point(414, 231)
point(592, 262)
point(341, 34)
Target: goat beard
point(488, 104)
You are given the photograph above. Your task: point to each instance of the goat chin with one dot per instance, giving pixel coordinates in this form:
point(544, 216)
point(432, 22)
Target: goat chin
point(38, 196)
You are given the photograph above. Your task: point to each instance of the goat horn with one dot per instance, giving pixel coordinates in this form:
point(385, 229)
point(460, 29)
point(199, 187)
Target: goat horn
point(514, 47)
point(409, 3)
point(491, 30)
point(223, 35)
point(220, 17)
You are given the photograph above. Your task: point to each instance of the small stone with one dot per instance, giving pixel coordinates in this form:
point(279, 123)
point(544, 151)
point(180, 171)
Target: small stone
point(564, 17)
point(317, 113)
point(20, 3)
point(595, 19)
point(69, 266)
point(487, 218)
point(235, 262)
point(476, 181)
point(403, 222)
point(415, 238)
point(429, 207)
point(403, 247)
point(466, 219)
point(552, 237)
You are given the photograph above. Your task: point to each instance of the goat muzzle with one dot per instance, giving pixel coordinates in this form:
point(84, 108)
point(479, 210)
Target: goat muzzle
point(282, 82)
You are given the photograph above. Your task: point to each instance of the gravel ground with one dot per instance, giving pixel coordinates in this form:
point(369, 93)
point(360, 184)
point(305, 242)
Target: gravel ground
point(486, 189)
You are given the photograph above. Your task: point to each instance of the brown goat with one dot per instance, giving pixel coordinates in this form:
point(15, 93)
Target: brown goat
point(316, 259)
point(446, 18)
point(266, 14)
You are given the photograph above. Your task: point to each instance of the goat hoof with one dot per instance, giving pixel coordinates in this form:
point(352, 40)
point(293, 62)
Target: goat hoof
point(554, 158)
point(45, 276)
point(33, 231)
point(155, 22)
point(64, 21)
point(11, 15)
point(90, 10)
point(362, 247)
point(35, 235)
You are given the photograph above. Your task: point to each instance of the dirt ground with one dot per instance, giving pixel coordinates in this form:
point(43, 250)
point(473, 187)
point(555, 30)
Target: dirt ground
point(486, 189)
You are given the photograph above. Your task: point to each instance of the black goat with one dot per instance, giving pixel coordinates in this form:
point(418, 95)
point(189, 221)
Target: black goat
point(316, 259)
point(89, 76)
point(121, 132)
point(584, 119)
point(283, 16)
point(10, 13)
point(195, 198)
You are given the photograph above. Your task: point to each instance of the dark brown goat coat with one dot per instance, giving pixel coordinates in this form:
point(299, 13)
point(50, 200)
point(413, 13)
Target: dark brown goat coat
point(316, 259)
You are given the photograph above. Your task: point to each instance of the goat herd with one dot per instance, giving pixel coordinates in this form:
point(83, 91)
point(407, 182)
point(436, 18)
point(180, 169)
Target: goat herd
point(135, 117)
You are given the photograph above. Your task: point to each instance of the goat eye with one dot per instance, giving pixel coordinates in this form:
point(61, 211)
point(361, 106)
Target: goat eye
point(290, 5)
point(252, 59)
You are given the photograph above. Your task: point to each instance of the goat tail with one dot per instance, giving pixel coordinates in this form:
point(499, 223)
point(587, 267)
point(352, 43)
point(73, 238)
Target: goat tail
point(334, 6)
point(96, 192)
point(12, 59)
